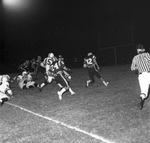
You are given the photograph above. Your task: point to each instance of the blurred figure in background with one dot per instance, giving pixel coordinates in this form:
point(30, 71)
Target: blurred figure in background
point(25, 66)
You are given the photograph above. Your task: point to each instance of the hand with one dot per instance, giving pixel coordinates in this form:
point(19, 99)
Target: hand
point(136, 72)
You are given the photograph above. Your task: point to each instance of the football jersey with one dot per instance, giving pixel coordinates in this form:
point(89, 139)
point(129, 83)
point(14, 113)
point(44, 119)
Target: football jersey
point(90, 61)
point(56, 67)
point(22, 80)
point(4, 78)
point(4, 87)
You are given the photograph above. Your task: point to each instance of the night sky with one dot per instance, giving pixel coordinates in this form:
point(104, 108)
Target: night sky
point(72, 28)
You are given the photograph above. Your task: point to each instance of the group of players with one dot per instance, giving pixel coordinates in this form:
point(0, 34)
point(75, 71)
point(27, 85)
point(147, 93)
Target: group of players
point(54, 70)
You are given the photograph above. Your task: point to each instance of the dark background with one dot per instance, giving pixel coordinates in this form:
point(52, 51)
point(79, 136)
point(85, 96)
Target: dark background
point(73, 28)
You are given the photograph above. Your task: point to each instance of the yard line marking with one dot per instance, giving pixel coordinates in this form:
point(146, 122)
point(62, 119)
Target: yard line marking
point(64, 124)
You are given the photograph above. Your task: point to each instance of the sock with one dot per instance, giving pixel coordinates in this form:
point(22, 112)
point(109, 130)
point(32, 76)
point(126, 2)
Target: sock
point(143, 96)
point(63, 90)
point(70, 90)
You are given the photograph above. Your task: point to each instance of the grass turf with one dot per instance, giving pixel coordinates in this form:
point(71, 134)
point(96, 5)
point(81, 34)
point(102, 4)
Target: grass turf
point(110, 112)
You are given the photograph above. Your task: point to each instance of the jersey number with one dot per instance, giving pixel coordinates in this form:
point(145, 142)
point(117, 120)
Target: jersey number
point(89, 61)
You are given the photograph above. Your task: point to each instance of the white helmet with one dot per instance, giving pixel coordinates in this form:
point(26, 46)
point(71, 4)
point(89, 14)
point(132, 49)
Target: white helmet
point(50, 55)
point(19, 78)
point(89, 54)
point(5, 79)
point(24, 73)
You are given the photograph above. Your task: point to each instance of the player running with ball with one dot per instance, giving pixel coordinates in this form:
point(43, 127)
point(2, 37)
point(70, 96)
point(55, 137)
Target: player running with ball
point(93, 69)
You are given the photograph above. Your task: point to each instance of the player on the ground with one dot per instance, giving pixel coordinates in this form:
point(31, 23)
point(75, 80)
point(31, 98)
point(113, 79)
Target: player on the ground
point(93, 69)
point(5, 91)
point(25, 81)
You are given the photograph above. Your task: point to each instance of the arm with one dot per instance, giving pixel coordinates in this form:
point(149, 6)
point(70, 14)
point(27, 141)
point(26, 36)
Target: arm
point(84, 63)
point(148, 57)
point(96, 64)
point(133, 65)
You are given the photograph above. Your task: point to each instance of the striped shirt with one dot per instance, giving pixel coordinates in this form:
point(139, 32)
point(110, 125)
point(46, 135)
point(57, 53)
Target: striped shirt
point(141, 62)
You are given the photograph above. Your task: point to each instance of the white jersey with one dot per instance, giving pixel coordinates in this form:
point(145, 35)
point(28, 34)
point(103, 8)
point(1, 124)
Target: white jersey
point(25, 81)
point(47, 63)
point(5, 91)
point(4, 78)
point(5, 88)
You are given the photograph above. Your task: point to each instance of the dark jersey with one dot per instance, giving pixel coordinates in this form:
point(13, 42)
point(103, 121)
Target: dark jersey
point(56, 67)
point(25, 67)
point(89, 61)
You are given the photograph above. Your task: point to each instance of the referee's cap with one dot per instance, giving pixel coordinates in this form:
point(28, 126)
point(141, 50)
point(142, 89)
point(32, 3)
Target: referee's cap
point(140, 48)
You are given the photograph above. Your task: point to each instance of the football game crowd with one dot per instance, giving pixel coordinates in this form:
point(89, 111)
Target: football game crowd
point(56, 70)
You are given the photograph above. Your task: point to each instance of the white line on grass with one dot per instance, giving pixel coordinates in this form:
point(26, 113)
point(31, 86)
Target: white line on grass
point(66, 125)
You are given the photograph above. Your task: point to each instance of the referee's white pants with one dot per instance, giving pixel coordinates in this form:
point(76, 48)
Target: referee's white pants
point(144, 82)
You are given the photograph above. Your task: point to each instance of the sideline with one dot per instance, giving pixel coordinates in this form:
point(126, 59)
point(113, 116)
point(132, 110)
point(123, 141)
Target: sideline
point(63, 124)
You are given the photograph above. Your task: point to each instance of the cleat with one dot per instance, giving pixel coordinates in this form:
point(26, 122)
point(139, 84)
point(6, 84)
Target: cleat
point(40, 88)
point(106, 83)
point(1, 103)
point(141, 103)
point(87, 83)
point(59, 95)
point(72, 93)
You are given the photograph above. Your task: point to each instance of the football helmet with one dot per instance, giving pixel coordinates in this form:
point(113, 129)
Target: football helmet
point(60, 57)
point(5, 78)
point(50, 55)
point(24, 73)
point(19, 78)
point(89, 54)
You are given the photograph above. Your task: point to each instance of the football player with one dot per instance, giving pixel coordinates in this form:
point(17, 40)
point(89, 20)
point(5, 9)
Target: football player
point(38, 67)
point(5, 91)
point(61, 80)
point(48, 74)
point(24, 67)
point(33, 66)
point(25, 81)
point(93, 69)
point(65, 70)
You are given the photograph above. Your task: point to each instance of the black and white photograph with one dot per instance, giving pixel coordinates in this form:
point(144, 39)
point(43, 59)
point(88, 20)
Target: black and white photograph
point(75, 71)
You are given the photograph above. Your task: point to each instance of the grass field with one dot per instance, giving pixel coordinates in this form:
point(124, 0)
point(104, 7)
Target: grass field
point(97, 114)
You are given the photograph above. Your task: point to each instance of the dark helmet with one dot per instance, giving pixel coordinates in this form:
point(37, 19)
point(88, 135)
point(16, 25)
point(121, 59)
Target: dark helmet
point(140, 48)
point(60, 57)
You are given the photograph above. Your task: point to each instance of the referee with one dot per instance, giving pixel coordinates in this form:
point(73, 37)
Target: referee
point(141, 64)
